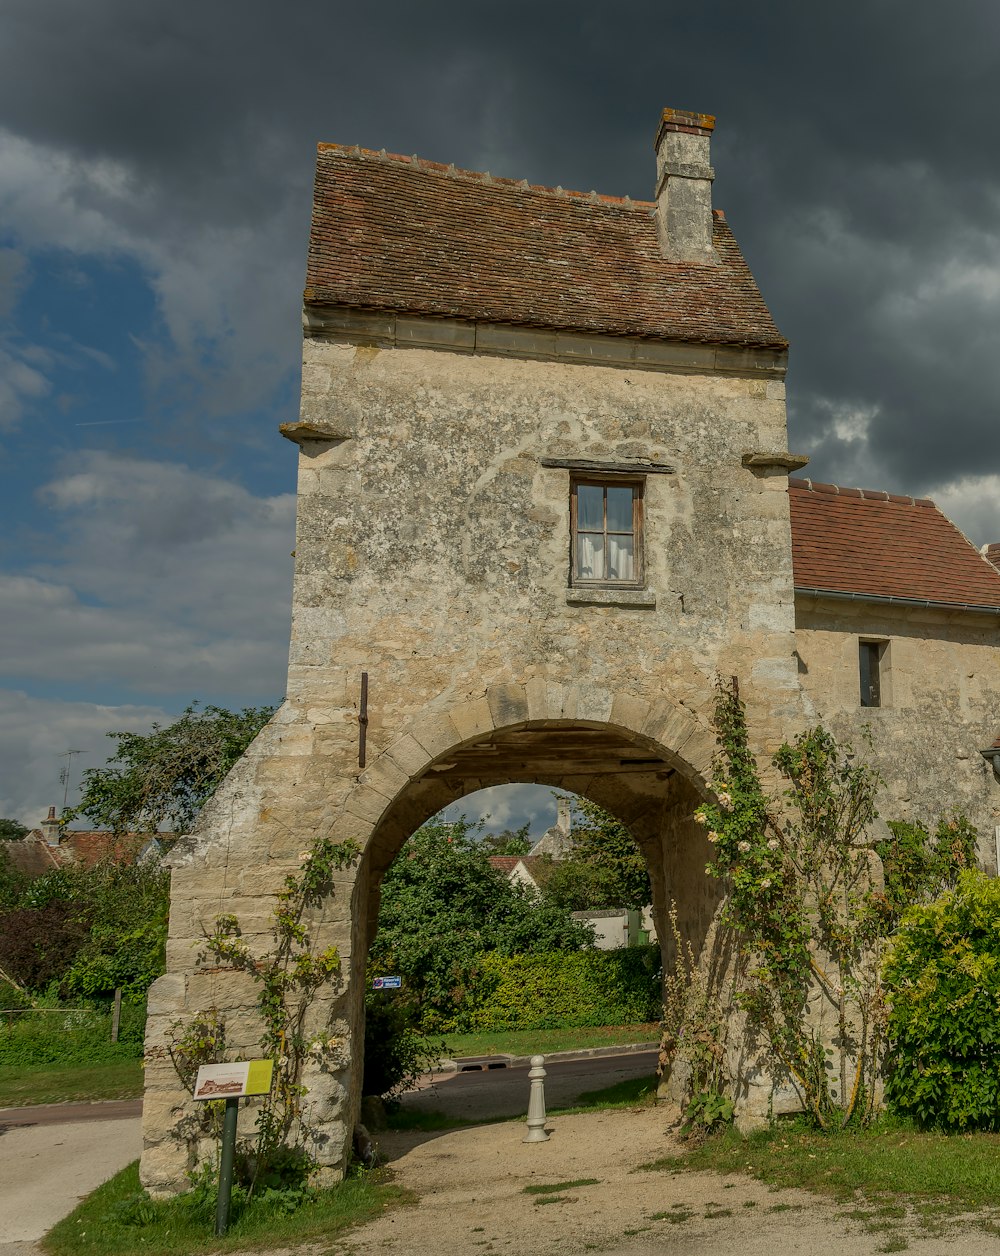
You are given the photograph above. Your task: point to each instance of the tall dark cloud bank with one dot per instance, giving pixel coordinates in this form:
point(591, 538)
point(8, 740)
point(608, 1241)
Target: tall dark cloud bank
point(155, 180)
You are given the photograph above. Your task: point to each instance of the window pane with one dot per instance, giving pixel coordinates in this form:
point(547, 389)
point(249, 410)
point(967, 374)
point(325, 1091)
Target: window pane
point(590, 555)
point(620, 509)
point(590, 508)
point(621, 562)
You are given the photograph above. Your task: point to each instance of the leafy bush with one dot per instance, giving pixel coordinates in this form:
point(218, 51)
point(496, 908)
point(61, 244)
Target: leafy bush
point(37, 944)
point(443, 905)
point(917, 866)
point(943, 979)
point(395, 1053)
point(73, 1036)
point(571, 989)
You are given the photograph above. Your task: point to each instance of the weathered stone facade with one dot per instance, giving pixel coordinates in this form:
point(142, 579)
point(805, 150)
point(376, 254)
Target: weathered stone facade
point(940, 705)
point(471, 346)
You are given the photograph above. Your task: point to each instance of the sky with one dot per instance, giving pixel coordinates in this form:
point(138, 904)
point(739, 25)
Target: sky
point(156, 165)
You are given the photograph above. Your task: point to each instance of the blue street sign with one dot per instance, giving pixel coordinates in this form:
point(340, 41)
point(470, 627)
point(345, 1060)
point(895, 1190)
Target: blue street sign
point(387, 983)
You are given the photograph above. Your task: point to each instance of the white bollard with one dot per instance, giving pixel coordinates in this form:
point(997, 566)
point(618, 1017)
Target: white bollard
point(536, 1102)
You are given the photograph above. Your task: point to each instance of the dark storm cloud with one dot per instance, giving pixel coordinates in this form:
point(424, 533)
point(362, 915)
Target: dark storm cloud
point(855, 154)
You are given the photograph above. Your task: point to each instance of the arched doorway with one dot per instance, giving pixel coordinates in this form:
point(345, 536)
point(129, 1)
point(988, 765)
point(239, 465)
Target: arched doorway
point(647, 786)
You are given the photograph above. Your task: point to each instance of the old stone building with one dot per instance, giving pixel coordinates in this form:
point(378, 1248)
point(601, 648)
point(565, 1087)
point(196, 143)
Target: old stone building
point(543, 503)
point(896, 632)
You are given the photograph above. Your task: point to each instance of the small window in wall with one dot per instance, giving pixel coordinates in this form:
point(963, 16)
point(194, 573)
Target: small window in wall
point(606, 532)
point(873, 672)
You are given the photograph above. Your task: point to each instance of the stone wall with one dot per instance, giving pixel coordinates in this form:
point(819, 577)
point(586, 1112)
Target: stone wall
point(432, 554)
point(940, 704)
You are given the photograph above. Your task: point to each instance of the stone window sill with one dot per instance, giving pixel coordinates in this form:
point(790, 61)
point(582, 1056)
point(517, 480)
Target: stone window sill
point(610, 597)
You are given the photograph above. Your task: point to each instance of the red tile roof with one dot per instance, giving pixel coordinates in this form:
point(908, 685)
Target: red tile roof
point(851, 540)
point(412, 236)
point(33, 855)
point(505, 863)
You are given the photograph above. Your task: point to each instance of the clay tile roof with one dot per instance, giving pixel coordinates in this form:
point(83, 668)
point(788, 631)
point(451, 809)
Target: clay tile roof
point(880, 544)
point(33, 855)
point(505, 863)
point(411, 236)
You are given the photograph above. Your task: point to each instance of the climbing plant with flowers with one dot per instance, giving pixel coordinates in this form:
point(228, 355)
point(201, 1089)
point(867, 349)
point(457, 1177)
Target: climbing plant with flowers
point(800, 899)
point(287, 977)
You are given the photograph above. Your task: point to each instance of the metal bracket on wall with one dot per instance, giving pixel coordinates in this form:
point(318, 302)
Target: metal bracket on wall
point(363, 721)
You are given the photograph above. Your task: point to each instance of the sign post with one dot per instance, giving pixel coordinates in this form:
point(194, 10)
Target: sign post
point(226, 1166)
point(230, 1082)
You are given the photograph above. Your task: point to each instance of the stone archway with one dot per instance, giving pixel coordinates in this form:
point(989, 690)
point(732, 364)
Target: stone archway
point(648, 762)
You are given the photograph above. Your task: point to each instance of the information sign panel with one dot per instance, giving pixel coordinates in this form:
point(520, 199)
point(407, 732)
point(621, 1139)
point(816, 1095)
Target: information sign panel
point(233, 1081)
point(386, 983)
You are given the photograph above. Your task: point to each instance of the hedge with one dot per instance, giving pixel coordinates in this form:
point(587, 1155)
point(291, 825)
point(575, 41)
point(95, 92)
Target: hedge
point(570, 989)
point(73, 1036)
point(943, 981)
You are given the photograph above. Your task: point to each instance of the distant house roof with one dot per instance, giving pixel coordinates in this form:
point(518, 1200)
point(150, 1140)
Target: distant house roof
point(34, 855)
point(505, 863)
point(535, 865)
point(412, 236)
point(880, 545)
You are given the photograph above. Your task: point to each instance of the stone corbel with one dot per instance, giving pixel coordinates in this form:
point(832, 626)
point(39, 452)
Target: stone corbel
point(303, 431)
point(776, 460)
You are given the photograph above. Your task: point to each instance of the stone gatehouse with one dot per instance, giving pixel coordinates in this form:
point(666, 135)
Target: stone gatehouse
point(543, 503)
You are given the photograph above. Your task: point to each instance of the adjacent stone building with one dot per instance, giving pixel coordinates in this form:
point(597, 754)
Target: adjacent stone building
point(543, 504)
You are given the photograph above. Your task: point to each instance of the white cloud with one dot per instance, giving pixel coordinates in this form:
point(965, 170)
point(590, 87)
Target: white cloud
point(507, 807)
point(972, 502)
point(165, 580)
point(34, 735)
point(227, 291)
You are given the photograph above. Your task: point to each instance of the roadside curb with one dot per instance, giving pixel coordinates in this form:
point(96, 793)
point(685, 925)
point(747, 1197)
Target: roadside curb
point(472, 1063)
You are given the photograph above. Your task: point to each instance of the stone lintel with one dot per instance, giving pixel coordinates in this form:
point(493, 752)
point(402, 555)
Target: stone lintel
point(612, 466)
point(644, 599)
point(392, 330)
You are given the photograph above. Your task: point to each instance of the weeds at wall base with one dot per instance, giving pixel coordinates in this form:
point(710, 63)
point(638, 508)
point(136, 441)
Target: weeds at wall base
point(120, 1218)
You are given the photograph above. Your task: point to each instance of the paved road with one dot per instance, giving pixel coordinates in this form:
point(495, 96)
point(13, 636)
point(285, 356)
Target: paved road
point(46, 1167)
point(53, 1155)
point(504, 1093)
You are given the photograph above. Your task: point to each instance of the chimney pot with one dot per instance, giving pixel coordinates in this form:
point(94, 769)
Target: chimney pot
point(684, 186)
point(51, 829)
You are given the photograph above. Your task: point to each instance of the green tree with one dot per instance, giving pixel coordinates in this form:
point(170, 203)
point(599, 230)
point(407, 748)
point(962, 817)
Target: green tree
point(12, 830)
point(88, 929)
point(509, 842)
point(443, 905)
point(605, 868)
point(164, 778)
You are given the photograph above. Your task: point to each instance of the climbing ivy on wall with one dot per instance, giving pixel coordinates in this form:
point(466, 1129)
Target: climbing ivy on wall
point(799, 901)
point(287, 977)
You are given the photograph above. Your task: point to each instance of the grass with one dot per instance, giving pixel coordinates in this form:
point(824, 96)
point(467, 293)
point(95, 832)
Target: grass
point(119, 1219)
point(22, 1086)
point(885, 1176)
point(553, 1188)
point(892, 1160)
point(634, 1092)
point(544, 1041)
point(400, 1118)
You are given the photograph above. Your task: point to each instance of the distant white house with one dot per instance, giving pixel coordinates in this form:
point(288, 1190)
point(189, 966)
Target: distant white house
point(612, 928)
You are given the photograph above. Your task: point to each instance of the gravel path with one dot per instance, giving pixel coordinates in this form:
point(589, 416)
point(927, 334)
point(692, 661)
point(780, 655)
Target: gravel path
point(471, 1200)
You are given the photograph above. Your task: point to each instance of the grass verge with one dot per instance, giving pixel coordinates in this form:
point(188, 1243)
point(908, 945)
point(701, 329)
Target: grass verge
point(634, 1092)
point(119, 1218)
point(543, 1041)
point(887, 1175)
point(22, 1086)
point(889, 1159)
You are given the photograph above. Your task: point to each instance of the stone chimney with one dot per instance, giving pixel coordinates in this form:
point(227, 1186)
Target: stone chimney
point(684, 187)
point(563, 821)
point(51, 829)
